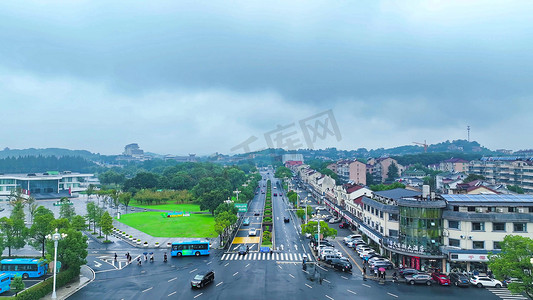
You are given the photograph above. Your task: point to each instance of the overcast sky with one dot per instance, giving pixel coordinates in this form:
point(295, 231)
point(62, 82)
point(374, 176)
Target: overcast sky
point(182, 77)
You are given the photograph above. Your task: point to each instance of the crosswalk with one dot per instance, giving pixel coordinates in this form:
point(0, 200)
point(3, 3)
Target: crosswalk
point(295, 257)
point(504, 293)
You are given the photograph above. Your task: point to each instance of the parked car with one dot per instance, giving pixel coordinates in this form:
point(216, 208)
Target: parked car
point(364, 254)
point(334, 220)
point(326, 219)
point(406, 271)
point(326, 243)
point(419, 278)
point(246, 222)
point(344, 225)
point(481, 281)
point(328, 258)
point(459, 279)
point(354, 243)
point(252, 232)
point(201, 279)
point(352, 237)
point(441, 279)
point(286, 220)
point(375, 257)
point(341, 264)
point(320, 208)
point(384, 264)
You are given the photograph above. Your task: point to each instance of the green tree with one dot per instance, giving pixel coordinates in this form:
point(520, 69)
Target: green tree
point(91, 214)
point(17, 284)
point(106, 223)
point(66, 211)
point(515, 188)
point(392, 172)
point(330, 173)
point(230, 207)
point(32, 208)
point(282, 172)
point(90, 191)
point(386, 187)
point(514, 261)
point(15, 233)
point(312, 228)
point(78, 223)
point(125, 198)
point(369, 179)
point(472, 177)
point(222, 222)
point(41, 226)
point(71, 250)
point(212, 199)
point(98, 219)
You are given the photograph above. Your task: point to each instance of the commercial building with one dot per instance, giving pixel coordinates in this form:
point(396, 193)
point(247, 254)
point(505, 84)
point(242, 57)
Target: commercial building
point(47, 185)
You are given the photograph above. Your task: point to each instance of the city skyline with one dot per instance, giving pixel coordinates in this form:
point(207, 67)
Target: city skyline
point(179, 78)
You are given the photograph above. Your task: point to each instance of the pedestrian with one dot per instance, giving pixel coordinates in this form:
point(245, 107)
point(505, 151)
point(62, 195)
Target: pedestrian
point(375, 272)
point(384, 275)
point(401, 266)
point(116, 256)
point(145, 257)
point(364, 270)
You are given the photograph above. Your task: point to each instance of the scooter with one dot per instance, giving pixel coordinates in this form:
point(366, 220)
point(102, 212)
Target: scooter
point(165, 258)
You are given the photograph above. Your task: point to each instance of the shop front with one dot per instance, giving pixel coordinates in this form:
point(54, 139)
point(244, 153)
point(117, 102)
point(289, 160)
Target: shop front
point(413, 256)
point(470, 261)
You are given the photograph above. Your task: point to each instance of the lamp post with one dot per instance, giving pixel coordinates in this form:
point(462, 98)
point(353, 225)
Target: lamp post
point(55, 237)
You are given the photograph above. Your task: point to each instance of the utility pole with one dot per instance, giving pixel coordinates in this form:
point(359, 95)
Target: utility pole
point(236, 191)
point(468, 130)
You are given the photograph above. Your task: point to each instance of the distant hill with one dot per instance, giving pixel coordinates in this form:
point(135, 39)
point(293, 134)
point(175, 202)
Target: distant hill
point(57, 152)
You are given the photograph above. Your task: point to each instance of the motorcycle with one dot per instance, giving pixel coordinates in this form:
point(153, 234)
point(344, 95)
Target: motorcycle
point(165, 258)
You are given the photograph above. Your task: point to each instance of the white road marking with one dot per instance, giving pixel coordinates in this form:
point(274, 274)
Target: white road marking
point(148, 289)
point(344, 277)
point(329, 297)
point(247, 266)
point(392, 295)
point(280, 266)
point(198, 295)
point(366, 285)
point(308, 286)
point(291, 276)
point(226, 265)
point(326, 280)
point(97, 264)
point(172, 279)
point(219, 283)
point(209, 262)
point(171, 294)
point(296, 247)
point(352, 292)
point(193, 270)
point(235, 273)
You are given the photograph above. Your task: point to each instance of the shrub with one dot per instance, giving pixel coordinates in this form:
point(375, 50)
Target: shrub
point(268, 212)
point(44, 288)
point(267, 220)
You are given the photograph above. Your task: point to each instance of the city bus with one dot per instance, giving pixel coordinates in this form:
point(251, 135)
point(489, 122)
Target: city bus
point(190, 248)
point(5, 283)
point(24, 267)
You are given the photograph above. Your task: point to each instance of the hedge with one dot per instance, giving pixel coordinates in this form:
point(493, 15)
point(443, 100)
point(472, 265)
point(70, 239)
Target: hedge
point(44, 288)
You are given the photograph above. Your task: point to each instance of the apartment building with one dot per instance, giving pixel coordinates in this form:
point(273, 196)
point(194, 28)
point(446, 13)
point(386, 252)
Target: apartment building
point(505, 170)
point(379, 168)
point(350, 170)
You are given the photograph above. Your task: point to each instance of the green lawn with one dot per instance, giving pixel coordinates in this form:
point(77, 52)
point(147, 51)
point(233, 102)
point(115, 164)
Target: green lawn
point(152, 223)
point(169, 207)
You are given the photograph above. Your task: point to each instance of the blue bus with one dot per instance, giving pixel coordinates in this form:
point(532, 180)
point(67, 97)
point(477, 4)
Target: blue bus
point(5, 283)
point(190, 248)
point(24, 267)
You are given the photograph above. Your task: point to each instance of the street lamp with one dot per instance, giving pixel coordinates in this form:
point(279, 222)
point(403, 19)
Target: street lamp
point(306, 202)
point(55, 237)
point(319, 218)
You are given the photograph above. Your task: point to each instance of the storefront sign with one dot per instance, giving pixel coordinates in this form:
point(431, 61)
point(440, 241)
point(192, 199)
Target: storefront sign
point(415, 249)
point(468, 257)
point(371, 235)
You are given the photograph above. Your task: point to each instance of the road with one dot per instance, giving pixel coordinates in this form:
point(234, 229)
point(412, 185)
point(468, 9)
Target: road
point(256, 275)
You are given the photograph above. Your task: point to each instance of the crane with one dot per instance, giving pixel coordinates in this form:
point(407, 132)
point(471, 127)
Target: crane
point(423, 144)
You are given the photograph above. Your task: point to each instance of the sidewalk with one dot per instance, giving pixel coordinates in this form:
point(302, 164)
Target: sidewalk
point(86, 276)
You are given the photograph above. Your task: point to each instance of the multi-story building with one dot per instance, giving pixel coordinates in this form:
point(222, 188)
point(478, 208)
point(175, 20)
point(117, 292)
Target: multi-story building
point(47, 185)
point(505, 170)
point(350, 170)
point(379, 168)
point(454, 165)
point(347, 193)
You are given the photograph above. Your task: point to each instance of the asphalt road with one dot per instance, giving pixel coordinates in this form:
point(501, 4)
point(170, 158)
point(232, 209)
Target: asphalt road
point(254, 276)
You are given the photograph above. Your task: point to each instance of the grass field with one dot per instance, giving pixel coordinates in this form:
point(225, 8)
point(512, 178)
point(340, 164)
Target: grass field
point(169, 207)
point(152, 223)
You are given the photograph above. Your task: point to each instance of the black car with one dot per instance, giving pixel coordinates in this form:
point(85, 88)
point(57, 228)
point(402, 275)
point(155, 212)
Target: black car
point(384, 264)
point(408, 272)
point(257, 213)
point(459, 279)
point(201, 279)
point(326, 243)
point(341, 264)
point(242, 250)
point(286, 220)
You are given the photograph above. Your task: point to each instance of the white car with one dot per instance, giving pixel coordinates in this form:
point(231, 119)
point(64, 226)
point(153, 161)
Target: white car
point(366, 253)
point(481, 281)
point(252, 232)
point(334, 220)
point(320, 208)
point(352, 237)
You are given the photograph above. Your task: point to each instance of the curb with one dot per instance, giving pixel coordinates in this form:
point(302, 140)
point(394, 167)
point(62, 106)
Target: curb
point(72, 292)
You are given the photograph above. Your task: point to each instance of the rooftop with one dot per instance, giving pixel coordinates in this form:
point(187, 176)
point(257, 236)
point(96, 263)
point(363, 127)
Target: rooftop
point(507, 198)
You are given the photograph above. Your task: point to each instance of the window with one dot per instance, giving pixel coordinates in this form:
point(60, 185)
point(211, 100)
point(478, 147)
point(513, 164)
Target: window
point(478, 245)
point(491, 209)
point(496, 245)
point(454, 224)
point(519, 227)
point(381, 229)
point(393, 232)
point(531, 209)
point(381, 214)
point(471, 208)
point(454, 242)
point(456, 208)
point(498, 226)
point(393, 217)
point(512, 209)
point(478, 226)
